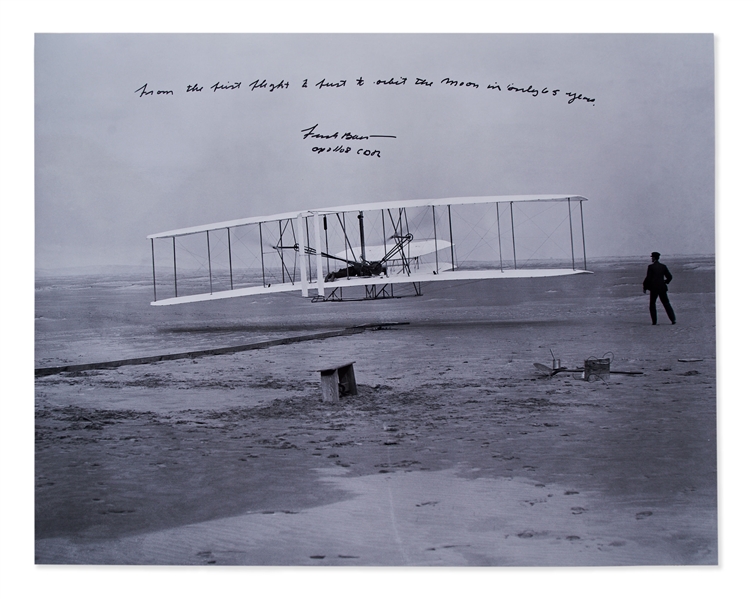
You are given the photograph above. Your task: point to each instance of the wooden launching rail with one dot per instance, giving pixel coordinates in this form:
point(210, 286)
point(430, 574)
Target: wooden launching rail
point(46, 371)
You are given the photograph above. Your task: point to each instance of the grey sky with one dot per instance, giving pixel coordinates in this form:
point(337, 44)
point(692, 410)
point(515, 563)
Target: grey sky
point(112, 167)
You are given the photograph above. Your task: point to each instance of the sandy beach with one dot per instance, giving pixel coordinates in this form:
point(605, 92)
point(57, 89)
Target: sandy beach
point(456, 451)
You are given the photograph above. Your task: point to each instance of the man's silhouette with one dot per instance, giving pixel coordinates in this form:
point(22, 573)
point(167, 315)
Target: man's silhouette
point(656, 282)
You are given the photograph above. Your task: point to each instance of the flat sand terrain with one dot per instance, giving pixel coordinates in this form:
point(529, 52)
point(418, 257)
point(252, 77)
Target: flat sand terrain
point(455, 451)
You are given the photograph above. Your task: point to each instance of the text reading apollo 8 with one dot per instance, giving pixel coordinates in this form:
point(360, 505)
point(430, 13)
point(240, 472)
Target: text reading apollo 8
point(311, 133)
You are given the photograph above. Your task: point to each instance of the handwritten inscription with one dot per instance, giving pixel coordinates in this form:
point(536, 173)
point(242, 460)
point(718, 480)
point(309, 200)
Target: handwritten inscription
point(534, 92)
point(324, 84)
point(143, 91)
point(346, 150)
point(455, 83)
point(573, 97)
point(223, 86)
point(311, 133)
point(391, 81)
point(257, 84)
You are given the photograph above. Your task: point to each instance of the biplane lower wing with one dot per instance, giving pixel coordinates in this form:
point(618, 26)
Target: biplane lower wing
point(425, 277)
point(379, 245)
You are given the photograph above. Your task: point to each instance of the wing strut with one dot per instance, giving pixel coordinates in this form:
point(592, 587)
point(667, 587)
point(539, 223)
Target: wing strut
point(361, 236)
point(209, 261)
point(499, 237)
point(570, 225)
point(261, 254)
point(302, 256)
point(327, 243)
point(384, 235)
point(513, 237)
point(282, 261)
point(434, 226)
point(318, 248)
point(408, 233)
point(230, 261)
point(450, 228)
point(583, 239)
point(308, 244)
point(154, 274)
point(175, 270)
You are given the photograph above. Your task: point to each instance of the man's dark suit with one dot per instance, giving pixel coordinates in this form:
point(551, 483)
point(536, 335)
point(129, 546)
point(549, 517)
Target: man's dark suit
point(656, 282)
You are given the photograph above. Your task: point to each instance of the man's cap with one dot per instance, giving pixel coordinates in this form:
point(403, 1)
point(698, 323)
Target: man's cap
point(655, 254)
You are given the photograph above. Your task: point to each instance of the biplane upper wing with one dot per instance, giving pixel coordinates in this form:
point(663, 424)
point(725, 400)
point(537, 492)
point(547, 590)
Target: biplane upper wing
point(373, 245)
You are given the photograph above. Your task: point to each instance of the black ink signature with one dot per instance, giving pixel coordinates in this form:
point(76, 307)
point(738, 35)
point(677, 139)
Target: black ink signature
point(309, 133)
point(353, 136)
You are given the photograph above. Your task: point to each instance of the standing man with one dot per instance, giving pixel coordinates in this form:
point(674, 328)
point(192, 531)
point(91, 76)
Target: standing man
point(656, 281)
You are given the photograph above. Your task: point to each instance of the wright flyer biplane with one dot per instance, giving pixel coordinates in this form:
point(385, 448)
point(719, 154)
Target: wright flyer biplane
point(386, 248)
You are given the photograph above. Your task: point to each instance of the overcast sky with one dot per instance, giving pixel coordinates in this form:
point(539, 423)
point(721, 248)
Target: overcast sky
point(114, 165)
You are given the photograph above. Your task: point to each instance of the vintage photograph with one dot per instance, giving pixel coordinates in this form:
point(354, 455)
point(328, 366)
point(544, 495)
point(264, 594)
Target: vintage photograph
point(375, 300)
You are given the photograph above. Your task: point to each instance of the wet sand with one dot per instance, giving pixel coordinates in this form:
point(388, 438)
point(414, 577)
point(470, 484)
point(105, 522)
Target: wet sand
point(455, 451)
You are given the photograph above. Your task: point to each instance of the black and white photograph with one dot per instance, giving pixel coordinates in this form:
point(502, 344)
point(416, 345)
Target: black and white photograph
point(375, 300)
point(353, 299)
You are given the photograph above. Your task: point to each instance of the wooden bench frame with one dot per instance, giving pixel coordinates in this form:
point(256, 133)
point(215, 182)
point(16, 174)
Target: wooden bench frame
point(338, 381)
